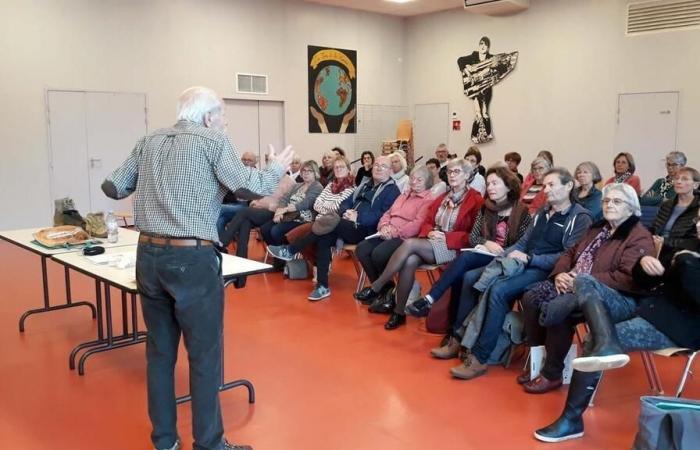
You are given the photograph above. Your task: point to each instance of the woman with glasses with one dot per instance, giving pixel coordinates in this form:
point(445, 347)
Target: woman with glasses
point(532, 192)
point(587, 194)
point(668, 317)
point(599, 265)
point(662, 189)
point(295, 208)
point(674, 227)
point(446, 230)
point(624, 168)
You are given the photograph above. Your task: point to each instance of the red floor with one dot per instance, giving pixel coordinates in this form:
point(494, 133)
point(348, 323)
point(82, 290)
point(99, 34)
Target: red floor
point(327, 375)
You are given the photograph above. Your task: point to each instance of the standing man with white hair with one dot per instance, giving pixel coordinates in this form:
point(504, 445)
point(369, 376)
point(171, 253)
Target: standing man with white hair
point(179, 176)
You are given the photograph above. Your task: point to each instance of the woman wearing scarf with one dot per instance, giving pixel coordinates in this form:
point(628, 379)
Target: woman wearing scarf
point(445, 231)
point(624, 168)
point(662, 189)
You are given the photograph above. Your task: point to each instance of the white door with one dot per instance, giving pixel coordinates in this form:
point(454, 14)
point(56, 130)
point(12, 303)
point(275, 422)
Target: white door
point(646, 128)
point(431, 123)
point(253, 124)
point(91, 134)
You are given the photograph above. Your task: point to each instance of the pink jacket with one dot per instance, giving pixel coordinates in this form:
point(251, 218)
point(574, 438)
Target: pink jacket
point(407, 214)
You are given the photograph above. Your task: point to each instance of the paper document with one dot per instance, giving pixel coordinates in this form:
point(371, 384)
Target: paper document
point(480, 251)
point(372, 236)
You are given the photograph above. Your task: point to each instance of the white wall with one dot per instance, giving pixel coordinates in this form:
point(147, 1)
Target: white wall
point(574, 61)
point(160, 47)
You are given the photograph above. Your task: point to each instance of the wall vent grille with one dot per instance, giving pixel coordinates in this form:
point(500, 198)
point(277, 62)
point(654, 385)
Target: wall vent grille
point(663, 15)
point(248, 83)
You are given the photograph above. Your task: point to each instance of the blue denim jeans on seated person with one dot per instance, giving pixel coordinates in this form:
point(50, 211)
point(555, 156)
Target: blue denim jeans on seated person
point(228, 210)
point(501, 297)
point(455, 271)
point(182, 292)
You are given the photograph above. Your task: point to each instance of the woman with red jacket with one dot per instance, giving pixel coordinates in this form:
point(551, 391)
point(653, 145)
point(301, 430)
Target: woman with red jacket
point(446, 230)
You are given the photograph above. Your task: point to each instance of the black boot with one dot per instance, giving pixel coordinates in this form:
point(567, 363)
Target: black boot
point(395, 321)
point(367, 296)
point(606, 351)
point(570, 424)
point(384, 304)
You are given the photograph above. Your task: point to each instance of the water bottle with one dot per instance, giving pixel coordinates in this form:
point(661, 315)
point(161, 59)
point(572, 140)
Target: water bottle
point(112, 228)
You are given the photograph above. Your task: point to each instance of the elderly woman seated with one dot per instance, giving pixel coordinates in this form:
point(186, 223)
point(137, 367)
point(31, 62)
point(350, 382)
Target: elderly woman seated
point(402, 221)
point(662, 189)
point(501, 222)
point(674, 226)
point(445, 230)
point(398, 170)
point(601, 264)
point(356, 217)
point(532, 191)
point(669, 317)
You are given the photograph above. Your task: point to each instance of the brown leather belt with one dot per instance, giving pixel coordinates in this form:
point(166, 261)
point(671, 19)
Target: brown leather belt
point(173, 241)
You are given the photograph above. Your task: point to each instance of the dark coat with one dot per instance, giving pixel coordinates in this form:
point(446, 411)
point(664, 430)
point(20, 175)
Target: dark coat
point(683, 235)
point(616, 258)
point(674, 309)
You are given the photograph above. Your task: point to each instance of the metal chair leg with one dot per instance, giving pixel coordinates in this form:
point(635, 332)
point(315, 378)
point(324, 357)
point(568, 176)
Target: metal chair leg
point(686, 371)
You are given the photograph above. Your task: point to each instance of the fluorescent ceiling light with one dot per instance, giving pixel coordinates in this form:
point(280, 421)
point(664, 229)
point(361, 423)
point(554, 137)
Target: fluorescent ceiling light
point(398, 1)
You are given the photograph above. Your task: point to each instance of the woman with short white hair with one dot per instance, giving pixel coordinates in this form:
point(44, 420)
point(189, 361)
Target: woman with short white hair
point(398, 170)
point(662, 189)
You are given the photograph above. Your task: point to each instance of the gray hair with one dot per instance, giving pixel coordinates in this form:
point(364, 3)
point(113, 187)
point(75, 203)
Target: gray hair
point(543, 161)
point(463, 164)
point(196, 102)
point(425, 173)
point(629, 193)
point(592, 168)
point(678, 157)
point(401, 157)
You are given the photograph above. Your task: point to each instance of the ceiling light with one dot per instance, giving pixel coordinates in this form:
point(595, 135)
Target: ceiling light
point(398, 1)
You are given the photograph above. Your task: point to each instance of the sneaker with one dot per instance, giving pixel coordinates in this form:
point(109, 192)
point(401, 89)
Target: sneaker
point(448, 350)
point(470, 368)
point(319, 293)
point(281, 252)
point(230, 446)
point(176, 446)
point(419, 308)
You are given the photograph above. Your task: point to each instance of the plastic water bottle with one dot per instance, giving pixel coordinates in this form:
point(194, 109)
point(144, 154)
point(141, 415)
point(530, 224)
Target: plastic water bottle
point(112, 228)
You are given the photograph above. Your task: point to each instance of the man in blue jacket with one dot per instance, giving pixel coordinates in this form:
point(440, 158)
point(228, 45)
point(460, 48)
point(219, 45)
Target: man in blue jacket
point(555, 228)
point(360, 214)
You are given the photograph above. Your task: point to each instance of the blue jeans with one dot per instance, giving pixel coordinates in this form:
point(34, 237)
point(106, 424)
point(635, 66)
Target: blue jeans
point(228, 210)
point(452, 276)
point(182, 292)
point(500, 298)
point(273, 233)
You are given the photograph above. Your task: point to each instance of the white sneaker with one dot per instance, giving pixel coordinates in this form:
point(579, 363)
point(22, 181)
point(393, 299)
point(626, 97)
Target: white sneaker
point(598, 363)
point(176, 446)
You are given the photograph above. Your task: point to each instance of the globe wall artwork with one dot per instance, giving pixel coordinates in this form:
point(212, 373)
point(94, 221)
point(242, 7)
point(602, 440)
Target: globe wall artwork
point(332, 90)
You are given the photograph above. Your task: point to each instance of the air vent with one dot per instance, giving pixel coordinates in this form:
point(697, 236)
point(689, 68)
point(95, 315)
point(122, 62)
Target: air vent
point(664, 15)
point(248, 83)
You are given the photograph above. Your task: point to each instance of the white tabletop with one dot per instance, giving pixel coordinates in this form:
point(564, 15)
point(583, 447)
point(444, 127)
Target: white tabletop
point(126, 278)
point(24, 238)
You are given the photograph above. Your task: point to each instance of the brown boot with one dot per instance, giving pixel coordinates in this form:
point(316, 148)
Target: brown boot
point(448, 351)
point(470, 368)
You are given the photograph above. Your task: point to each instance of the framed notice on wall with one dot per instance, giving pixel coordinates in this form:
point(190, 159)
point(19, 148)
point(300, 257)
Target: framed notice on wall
point(332, 90)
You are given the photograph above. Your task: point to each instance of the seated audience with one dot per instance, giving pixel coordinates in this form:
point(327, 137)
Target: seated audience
point(442, 154)
point(667, 318)
point(624, 168)
point(365, 170)
point(602, 263)
point(501, 222)
point(356, 217)
point(587, 194)
point(546, 154)
point(532, 192)
point(294, 169)
point(554, 229)
point(445, 230)
point(662, 189)
point(512, 160)
point(473, 155)
point(400, 222)
point(439, 186)
point(327, 170)
point(398, 170)
point(674, 227)
point(295, 208)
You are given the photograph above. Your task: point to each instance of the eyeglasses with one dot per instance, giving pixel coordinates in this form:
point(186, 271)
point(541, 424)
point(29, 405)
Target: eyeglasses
point(307, 171)
point(614, 201)
point(380, 166)
point(340, 167)
point(454, 171)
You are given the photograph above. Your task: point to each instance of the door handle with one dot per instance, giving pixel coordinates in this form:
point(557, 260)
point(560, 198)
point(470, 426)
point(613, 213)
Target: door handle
point(95, 163)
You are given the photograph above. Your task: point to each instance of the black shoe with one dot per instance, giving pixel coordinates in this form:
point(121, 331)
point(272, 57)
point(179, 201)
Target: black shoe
point(419, 308)
point(395, 321)
point(384, 304)
point(561, 430)
point(366, 295)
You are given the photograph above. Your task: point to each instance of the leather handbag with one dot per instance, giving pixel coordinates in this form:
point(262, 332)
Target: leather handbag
point(325, 223)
